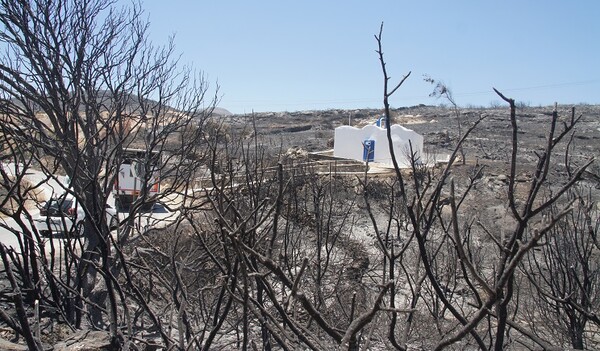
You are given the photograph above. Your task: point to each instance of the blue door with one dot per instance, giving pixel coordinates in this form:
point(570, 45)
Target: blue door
point(368, 150)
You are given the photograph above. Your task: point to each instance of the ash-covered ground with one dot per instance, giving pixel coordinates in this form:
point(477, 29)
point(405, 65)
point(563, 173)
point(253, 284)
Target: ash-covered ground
point(489, 142)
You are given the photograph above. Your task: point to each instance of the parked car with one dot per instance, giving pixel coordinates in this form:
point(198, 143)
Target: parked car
point(63, 214)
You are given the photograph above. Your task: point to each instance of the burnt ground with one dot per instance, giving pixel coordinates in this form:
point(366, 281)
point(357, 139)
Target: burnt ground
point(490, 142)
point(489, 145)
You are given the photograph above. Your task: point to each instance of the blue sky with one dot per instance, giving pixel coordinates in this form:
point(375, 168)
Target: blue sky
point(313, 55)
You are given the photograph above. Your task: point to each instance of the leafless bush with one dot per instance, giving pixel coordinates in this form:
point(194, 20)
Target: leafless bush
point(564, 273)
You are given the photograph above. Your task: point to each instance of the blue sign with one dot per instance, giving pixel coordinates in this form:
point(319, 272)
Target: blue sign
point(369, 150)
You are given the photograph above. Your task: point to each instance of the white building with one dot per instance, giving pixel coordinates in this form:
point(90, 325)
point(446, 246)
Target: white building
point(370, 143)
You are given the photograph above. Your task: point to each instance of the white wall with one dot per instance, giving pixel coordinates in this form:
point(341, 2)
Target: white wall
point(348, 143)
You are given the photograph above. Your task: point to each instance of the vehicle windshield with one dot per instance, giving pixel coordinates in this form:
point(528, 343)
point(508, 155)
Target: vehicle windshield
point(57, 207)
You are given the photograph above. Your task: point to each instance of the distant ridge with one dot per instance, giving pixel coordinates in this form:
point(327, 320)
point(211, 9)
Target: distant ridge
point(132, 102)
point(221, 112)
